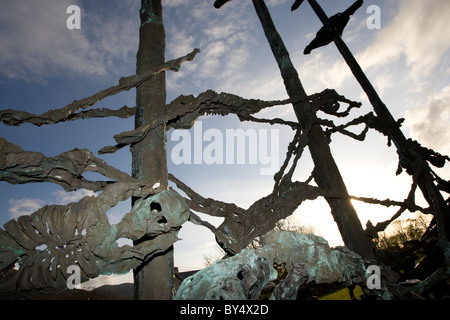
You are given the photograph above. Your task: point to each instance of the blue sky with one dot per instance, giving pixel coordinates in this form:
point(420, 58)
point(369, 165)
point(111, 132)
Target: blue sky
point(43, 65)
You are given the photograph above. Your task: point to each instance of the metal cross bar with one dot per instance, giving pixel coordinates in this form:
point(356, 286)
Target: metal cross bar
point(424, 174)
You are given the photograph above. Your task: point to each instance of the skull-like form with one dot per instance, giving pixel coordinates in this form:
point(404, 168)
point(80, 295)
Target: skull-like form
point(152, 216)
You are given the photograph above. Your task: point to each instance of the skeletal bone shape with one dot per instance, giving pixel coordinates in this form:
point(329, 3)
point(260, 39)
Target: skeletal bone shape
point(306, 257)
point(162, 213)
point(36, 250)
point(244, 275)
point(18, 167)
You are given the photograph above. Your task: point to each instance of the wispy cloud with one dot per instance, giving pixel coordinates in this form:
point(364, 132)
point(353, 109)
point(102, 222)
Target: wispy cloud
point(224, 37)
point(208, 244)
point(174, 3)
point(62, 197)
point(180, 43)
point(417, 33)
point(413, 38)
point(25, 206)
point(36, 43)
point(274, 3)
point(320, 71)
point(428, 123)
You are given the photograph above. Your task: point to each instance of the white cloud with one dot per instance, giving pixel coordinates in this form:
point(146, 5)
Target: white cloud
point(383, 81)
point(417, 32)
point(27, 206)
point(174, 3)
point(320, 71)
point(208, 244)
point(274, 3)
point(36, 43)
point(412, 43)
point(63, 197)
point(212, 58)
point(224, 37)
point(180, 42)
point(226, 43)
point(429, 123)
point(268, 86)
point(221, 31)
point(22, 207)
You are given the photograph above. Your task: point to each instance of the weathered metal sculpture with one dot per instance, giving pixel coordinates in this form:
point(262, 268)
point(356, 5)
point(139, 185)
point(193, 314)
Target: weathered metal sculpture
point(305, 257)
point(37, 250)
point(413, 158)
point(338, 22)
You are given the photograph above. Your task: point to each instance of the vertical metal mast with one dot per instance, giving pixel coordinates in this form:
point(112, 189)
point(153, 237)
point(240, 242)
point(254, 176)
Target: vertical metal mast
point(154, 279)
point(327, 172)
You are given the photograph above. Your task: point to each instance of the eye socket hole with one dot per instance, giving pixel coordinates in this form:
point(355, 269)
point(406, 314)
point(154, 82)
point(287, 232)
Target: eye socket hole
point(162, 220)
point(155, 206)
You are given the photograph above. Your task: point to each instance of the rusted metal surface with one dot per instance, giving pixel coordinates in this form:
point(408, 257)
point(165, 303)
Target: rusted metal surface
point(37, 250)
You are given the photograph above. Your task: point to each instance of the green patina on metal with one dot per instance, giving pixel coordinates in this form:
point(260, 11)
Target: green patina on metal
point(81, 234)
point(307, 258)
point(150, 18)
point(148, 14)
